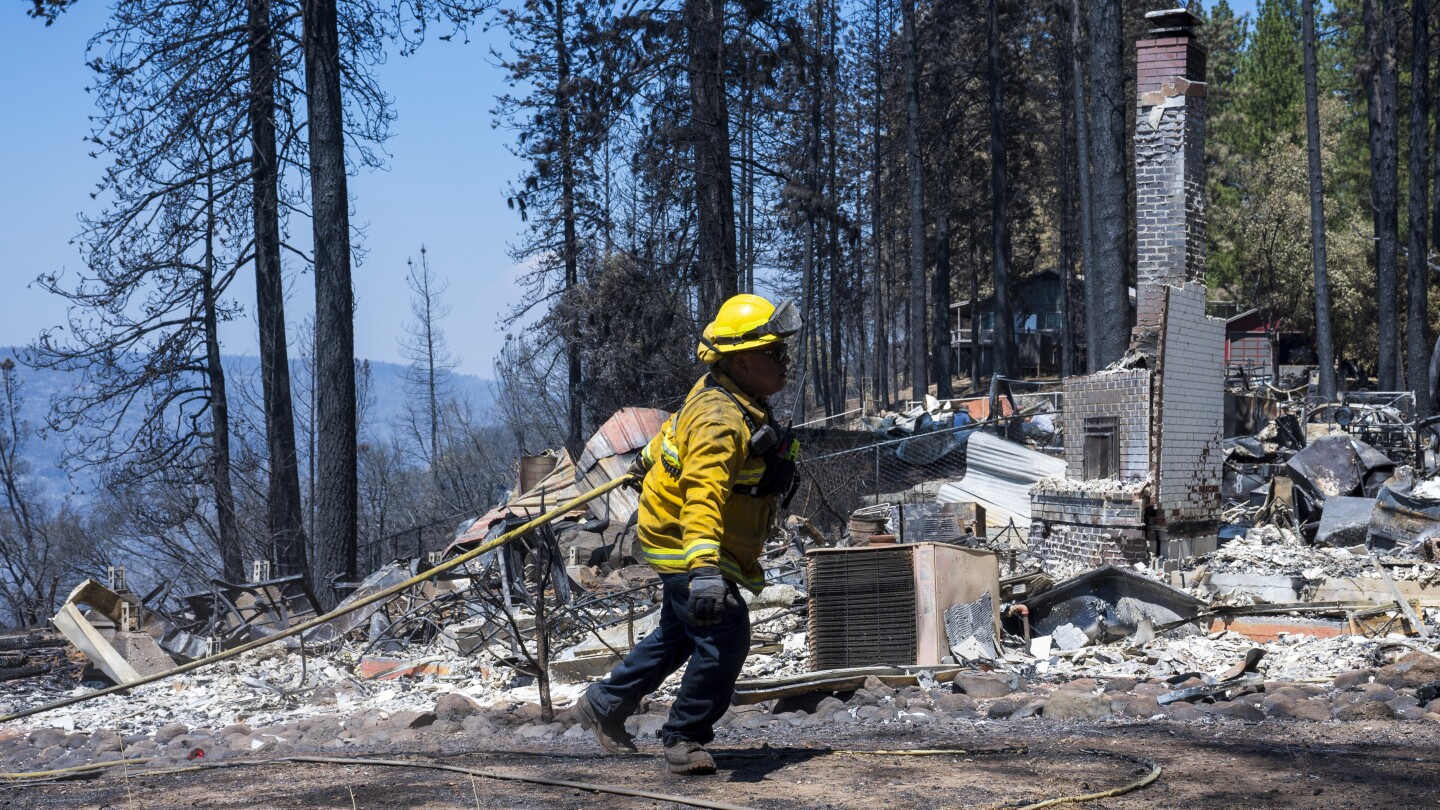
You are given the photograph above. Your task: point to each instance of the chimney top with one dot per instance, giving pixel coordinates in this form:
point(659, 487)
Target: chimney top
point(1173, 21)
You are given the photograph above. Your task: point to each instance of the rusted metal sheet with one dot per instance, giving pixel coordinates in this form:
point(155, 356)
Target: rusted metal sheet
point(1271, 628)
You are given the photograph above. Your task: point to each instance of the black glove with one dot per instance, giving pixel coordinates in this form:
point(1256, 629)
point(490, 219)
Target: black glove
point(637, 471)
point(707, 596)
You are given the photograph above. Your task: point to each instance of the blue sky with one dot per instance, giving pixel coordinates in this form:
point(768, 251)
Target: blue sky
point(444, 186)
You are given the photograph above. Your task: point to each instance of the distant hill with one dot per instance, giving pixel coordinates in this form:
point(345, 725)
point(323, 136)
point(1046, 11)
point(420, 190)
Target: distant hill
point(45, 452)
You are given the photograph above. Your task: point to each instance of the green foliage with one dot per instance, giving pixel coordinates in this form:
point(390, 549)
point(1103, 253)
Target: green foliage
point(1270, 84)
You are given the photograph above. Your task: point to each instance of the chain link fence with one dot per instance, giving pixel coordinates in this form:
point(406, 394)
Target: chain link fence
point(840, 474)
point(415, 541)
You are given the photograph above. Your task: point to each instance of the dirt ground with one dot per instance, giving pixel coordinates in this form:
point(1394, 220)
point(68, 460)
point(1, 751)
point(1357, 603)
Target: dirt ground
point(1275, 764)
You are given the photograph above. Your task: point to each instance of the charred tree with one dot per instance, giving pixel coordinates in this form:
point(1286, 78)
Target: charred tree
point(999, 206)
point(1324, 342)
point(1106, 295)
point(284, 517)
point(1417, 297)
point(1379, 71)
point(335, 483)
point(710, 135)
point(919, 385)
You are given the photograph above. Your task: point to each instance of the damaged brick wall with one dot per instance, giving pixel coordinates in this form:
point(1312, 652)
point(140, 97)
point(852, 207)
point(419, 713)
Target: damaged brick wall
point(1089, 528)
point(1189, 412)
point(1169, 160)
point(1123, 395)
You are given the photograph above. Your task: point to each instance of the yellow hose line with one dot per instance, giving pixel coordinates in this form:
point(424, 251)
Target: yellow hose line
point(340, 611)
point(1144, 781)
point(396, 763)
point(93, 766)
point(1104, 794)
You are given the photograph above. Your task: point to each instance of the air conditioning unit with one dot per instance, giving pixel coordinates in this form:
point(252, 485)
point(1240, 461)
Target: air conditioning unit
point(886, 604)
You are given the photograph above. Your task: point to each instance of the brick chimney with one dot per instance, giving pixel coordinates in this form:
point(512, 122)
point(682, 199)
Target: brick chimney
point(1169, 159)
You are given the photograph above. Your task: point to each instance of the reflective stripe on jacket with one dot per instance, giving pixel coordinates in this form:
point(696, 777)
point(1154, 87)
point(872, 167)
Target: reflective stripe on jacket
point(689, 515)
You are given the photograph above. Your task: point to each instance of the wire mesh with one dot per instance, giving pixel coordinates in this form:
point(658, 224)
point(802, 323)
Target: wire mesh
point(838, 477)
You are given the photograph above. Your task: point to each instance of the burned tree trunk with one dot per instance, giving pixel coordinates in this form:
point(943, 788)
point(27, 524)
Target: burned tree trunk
point(919, 385)
point(710, 134)
point(1324, 342)
point(1382, 115)
point(283, 516)
point(940, 304)
point(1107, 295)
point(1417, 299)
point(232, 561)
point(1082, 176)
point(336, 484)
point(1005, 360)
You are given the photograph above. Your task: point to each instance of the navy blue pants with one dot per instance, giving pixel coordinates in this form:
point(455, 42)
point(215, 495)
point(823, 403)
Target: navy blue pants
point(715, 655)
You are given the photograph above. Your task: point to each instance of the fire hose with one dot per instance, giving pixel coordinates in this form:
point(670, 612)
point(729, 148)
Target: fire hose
point(378, 596)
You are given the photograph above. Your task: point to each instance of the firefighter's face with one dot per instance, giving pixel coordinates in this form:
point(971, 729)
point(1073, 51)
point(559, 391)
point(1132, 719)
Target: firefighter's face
point(761, 372)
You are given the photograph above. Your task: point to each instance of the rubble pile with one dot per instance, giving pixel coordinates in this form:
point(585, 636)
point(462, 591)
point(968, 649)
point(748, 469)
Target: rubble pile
point(1270, 625)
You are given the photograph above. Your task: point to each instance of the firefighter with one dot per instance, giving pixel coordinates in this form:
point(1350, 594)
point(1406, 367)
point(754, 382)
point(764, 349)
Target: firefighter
point(712, 477)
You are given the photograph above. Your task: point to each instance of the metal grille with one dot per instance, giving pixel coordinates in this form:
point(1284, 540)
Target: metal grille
point(1102, 447)
point(862, 608)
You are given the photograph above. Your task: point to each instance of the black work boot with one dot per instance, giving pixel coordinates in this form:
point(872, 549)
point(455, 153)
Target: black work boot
point(689, 759)
point(609, 731)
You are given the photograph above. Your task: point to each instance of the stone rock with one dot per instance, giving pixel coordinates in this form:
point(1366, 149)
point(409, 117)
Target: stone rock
point(1365, 710)
point(875, 714)
point(1002, 708)
point(537, 731)
point(864, 697)
point(1135, 706)
point(1404, 702)
point(1375, 691)
point(1150, 690)
point(1410, 713)
point(411, 720)
point(106, 740)
point(237, 742)
point(748, 721)
point(1414, 669)
point(1120, 685)
point(75, 740)
point(983, 685)
point(477, 724)
point(1238, 710)
point(238, 728)
point(46, 737)
point(455, 707)
point(1184, 712)
point(952, 701)
point(1074, 704)
point(1433, 707)
point(877, 687)
point(808, 703)
point(829, 706)
point(1289, 708)
point(649, 725)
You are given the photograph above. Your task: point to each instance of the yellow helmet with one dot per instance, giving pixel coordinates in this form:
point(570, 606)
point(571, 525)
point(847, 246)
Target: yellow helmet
point(747, 322)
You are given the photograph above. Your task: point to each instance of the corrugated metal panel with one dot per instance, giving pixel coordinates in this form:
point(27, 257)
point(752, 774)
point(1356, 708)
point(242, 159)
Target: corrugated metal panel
point(607, 455)
point(624, 432)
